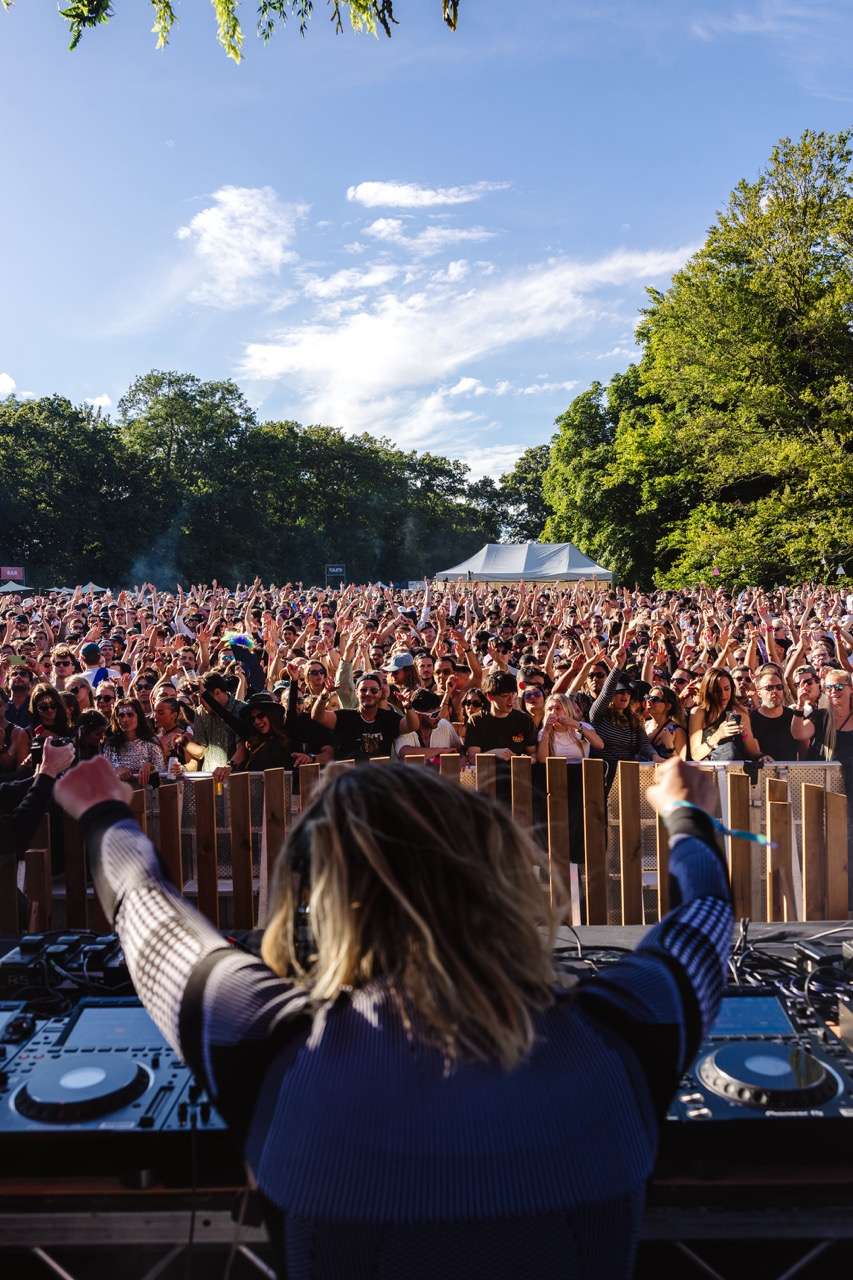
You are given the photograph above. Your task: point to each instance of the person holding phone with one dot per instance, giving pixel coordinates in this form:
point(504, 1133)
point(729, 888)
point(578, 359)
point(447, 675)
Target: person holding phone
point(719, 727)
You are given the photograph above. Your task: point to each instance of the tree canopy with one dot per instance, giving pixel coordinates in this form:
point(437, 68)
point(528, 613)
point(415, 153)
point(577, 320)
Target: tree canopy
point(729, 447)
point(372, 16)
point(186, 484)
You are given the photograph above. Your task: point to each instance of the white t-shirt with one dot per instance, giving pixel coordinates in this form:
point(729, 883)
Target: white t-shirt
point(443, 735)
point(568, 744)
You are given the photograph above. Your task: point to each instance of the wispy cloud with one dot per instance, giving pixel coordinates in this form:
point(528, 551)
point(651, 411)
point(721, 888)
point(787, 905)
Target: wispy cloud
point(100, 402)
point(424, 243)
point(409, 195)
point(395, 366)
point(351, 278)
point(7, 385)
point(770, 17)
point(238, 243)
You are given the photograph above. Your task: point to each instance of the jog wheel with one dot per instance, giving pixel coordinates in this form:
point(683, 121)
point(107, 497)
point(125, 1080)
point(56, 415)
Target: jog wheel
point(778, 1077)
point(58, 1092)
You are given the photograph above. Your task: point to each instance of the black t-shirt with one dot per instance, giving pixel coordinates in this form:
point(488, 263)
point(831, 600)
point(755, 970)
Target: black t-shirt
point(774, 734)
point(358, 739)
point(307, 735)
point(516, 731)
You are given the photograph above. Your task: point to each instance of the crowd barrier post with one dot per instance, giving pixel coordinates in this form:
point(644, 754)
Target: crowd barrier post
point(837, 818)
point(37, 880)
point(412, 757)
point(242, 903)
point(137, 808)
point(595, 841)
point(449, 766)
point(521, 779)
point(379, 760)
point(780, 889)
point(630, 843)
point(170, 833)
point(309, 781)
point(739, 850)
point(814, 852)
point(207, 874)
point(336, 767)
point(75, 873)
point(486, 771)
point(559, 857)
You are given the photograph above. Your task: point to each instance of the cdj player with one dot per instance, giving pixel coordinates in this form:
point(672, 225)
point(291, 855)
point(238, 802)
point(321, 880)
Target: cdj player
point(96, 1086)
point(769, 1062)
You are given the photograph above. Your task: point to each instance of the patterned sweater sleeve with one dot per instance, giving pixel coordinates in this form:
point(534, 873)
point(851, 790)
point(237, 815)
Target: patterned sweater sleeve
point(223, 1010)
point(665, 995)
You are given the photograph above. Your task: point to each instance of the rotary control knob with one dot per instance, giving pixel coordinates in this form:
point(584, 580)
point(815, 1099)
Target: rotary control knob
point(779, 1077)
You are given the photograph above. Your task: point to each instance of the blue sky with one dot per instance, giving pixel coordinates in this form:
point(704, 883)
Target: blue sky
point(438, 238)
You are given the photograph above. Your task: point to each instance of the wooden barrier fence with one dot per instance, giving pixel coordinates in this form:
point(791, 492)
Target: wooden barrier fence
point(608, 855)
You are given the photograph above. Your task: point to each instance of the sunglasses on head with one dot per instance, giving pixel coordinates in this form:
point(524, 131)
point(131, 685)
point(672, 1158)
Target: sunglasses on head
point(124, 713)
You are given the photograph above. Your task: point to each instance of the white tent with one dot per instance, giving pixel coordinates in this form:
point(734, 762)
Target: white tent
point(530, 561)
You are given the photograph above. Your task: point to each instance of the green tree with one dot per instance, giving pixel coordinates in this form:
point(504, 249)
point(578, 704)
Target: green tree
point(734, 449)
point(521, 490)
point(364, 15)
point(70, 491)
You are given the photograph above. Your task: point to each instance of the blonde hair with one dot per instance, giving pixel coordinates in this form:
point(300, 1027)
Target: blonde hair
point(428, 889)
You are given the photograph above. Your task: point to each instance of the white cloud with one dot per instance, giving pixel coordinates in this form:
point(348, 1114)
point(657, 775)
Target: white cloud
point(99, 402)
point(377, 367)
point(453, 272)
point(474, 387)
point(427, 242)
point(351, 278)
point(619, 353)
point(409, 195)
point(238, 243)
point(355, 246)
point(7, 385)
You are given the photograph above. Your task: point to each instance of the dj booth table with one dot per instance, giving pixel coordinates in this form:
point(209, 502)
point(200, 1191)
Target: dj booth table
point(721, 1216)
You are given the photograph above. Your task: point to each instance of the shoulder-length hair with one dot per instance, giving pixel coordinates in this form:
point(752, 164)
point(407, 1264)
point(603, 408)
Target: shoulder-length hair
point(143, 728)
point(44, 690)
point(710, 697)
point(428, 889)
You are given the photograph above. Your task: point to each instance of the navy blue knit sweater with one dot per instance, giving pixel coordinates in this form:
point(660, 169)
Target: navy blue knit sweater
point(377, 1164)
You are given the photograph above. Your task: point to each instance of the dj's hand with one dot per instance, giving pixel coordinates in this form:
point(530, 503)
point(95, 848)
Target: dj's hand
point(675, 780)
point(56, 760)
point(89, 784)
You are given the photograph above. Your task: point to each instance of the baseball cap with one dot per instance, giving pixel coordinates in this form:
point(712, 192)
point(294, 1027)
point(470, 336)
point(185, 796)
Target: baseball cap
point(399, 662)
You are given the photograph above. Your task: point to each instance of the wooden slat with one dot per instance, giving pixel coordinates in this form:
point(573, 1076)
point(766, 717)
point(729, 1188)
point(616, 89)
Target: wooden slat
point(335, 768)
point(739, 851)
point(170, 832)
point(75, 873)
point(309, 781)
point(595, 841)
point(276, 816)
point(836, 856)
point(521, 777)
point(37, 880)
point(137, 808)
point(206, 868)
point(241, 850)
point(414, 757)
point(630, 843)
point(779, 905)
point(379, 760)
point(486, 769)
point(662, 859)
point(557, 783)
point(776, 790)
point(814, 853)
point(449, 766)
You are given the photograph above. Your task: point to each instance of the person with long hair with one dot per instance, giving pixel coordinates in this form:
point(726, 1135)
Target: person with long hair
point(82, 690)
point(131, 747)
point(622, 730)
point(563, 733)
point(719, 726)
point(50, 718)
point(665, 725)
point(406, 1078)
point(14, 742)
point(267, 743)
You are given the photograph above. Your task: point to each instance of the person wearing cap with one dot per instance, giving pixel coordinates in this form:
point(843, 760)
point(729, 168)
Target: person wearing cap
point(93, 668)
point(403, 679)
point(433, 737)
point(215, 735)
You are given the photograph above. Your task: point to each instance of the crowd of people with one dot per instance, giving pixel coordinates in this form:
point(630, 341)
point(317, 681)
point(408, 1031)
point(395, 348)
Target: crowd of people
point(214, 679)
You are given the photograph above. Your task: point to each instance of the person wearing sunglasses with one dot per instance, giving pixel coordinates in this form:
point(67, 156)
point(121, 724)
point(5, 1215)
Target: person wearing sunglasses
point(533, 702)
point(14, 742)
point(63, 666)
point(49, 716)
point(434, 736)
point(807, 687)
point(130, 747)
point(781, 732)
point(665, 724)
